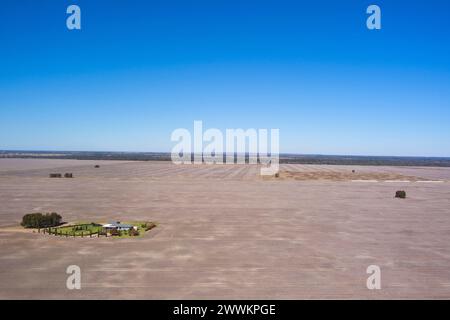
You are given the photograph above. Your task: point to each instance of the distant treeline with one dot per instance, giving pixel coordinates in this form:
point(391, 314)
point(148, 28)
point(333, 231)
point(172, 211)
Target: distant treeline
point(284, 158)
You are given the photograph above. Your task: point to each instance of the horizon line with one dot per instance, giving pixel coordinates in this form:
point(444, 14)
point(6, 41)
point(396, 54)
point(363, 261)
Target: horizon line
point(168, 153)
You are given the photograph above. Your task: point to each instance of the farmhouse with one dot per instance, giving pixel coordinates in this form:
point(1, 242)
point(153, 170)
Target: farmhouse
point(118, 226)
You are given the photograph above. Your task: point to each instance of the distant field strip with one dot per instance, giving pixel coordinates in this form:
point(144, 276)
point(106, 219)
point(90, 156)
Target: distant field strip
point(156, 170)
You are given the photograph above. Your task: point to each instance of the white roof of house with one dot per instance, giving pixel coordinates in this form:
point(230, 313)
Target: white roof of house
point(118, 225)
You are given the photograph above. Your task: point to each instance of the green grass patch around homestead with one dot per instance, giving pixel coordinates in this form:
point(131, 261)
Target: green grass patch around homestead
point(94, 229)
point(79, 229)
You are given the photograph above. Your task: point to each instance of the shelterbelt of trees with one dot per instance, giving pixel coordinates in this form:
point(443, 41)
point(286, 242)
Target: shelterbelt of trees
point(39, 220)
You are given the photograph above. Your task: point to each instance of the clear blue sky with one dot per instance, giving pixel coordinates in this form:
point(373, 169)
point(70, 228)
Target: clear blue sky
point(140, 69)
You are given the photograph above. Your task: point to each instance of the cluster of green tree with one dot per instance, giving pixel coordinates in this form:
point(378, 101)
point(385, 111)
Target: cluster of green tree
point(400, 194)
point(39, 220)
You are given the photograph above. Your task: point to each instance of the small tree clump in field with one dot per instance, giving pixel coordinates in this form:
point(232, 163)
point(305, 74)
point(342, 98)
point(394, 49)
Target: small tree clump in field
point(400, 194)
point(39, 220)
point(149, 226)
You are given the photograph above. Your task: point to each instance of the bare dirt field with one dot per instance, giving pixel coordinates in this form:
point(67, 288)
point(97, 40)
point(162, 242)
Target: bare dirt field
point(225, 232)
